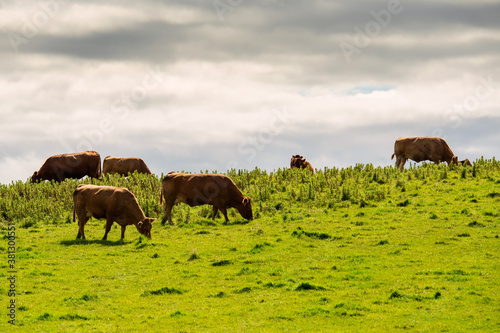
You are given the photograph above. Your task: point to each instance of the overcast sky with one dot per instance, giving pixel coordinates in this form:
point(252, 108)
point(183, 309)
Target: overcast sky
point(220, 84)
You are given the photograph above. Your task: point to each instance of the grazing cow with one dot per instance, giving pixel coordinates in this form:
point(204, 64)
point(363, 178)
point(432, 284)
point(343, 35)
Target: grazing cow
point(203, 189)
point(77, 165)
point(465, 162)
point(422, 148)
point(114, 204)
point(124, 165)
point(298, 161)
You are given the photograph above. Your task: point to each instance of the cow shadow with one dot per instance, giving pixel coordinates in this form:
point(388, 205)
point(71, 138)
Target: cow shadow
point(94, 241)
point(235, 222)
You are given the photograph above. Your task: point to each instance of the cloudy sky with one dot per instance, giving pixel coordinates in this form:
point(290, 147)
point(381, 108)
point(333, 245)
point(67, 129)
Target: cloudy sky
point(219, 84)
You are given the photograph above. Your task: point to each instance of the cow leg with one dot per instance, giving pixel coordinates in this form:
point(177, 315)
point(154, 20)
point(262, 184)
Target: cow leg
point(123, 231)
point(167, 212)
point(79, 235)
point(109, 223)
point(402, 163)
point(214, 212)
point(224, 212)
point(398, 162)
point(82, 220)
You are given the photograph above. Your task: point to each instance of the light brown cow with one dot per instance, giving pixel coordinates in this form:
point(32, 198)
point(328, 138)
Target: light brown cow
point(76, 165)
point(124, 165)
point(298, 161)
point(114, 204)
point(203, 189)
point(422, 148)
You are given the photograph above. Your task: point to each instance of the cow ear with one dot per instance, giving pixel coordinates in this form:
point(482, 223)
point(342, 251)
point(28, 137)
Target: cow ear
point(246, 200)
point(140, 224)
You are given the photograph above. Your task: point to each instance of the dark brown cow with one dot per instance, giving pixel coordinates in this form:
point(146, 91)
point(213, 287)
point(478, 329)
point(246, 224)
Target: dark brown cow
point(465, 162)
point(114, 204)
point(124, 165)
point(77, 165)
point(298, 161)
point(203, 189)
point(295, 161)
point(422, 148)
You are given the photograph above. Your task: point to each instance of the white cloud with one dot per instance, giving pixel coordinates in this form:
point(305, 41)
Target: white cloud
point(18, 168)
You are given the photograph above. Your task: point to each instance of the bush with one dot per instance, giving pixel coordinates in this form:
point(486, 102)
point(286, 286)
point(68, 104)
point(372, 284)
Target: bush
point(308, 286)
point(163, 291)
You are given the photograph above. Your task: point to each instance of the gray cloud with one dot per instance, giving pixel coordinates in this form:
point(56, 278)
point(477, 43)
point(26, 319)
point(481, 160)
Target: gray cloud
point(223, 79)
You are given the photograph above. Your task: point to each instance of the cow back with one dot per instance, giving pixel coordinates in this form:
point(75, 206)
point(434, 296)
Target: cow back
point(105, 201)
point(200, 189)
point(76, 165)
point(124, 165)
point(423, 148)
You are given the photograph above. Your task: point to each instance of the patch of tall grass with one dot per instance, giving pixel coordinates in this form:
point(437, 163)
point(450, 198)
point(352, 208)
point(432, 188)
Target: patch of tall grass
point(272, 192)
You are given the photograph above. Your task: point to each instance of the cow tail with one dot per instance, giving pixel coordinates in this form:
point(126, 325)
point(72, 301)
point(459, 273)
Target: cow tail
point(74, 203)
point(169, 175)
point(99, 170)
point(392, 157)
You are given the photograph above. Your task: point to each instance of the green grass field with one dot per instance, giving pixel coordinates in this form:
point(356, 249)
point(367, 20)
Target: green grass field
point(344, 250)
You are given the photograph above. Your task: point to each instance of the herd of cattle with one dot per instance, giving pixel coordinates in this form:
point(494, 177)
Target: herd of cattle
point(119, 205)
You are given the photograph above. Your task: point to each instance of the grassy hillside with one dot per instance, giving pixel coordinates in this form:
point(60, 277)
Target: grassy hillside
point(354, 249)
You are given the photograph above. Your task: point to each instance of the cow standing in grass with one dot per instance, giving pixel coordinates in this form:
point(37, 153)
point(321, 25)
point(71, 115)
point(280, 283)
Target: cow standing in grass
point(114, 204)
point(298, 161)
point(422, 148)
point(76, 165)
point(203, 189)
point(124, 165)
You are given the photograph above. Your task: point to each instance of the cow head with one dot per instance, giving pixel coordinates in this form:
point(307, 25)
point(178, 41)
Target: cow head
point(144, 226)
point(297, 161)
point(245, 208)
point(36, 177)
point(454, 160)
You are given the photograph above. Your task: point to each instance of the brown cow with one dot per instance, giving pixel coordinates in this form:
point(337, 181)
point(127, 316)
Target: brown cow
point(298, 161)
point(77, 165)
point(422, 148)
point(295, 161)
point(124, 165)
point(203, 189)
point(110, 203)
point(465, 162)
